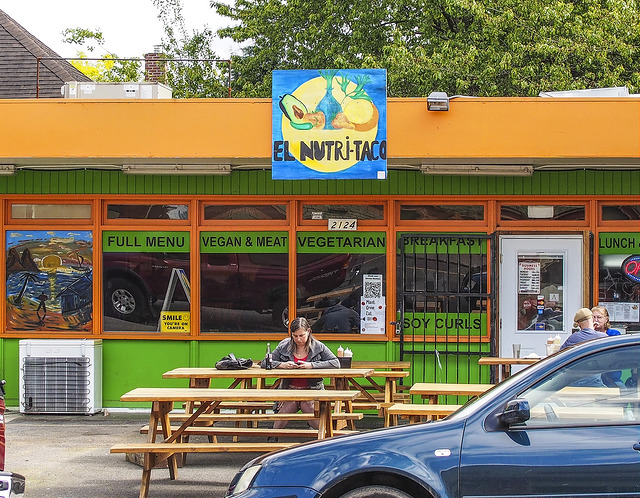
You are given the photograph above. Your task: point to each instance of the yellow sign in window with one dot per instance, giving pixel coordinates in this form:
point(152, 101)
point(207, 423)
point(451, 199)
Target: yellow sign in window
point(175, 321)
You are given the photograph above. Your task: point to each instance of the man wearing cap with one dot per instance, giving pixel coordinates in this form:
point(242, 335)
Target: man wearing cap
point(583, 319)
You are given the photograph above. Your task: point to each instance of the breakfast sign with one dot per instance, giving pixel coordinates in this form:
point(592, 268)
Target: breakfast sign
point(329, 124)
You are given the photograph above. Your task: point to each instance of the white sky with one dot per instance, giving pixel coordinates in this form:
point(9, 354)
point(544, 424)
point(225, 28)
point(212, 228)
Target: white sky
point(130, 27)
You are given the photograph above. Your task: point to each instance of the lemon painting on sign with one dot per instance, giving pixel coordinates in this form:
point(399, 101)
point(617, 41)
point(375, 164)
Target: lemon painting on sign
point(329, 124)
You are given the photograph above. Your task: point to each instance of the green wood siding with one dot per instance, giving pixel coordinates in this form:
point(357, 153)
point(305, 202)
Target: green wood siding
point(579, 182)
point(131, 363)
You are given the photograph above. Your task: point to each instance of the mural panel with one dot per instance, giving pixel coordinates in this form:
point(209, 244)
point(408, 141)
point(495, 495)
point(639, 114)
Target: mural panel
point(49, 280)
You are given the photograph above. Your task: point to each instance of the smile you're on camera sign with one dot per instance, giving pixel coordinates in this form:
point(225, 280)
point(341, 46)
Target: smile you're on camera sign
point(329, 124)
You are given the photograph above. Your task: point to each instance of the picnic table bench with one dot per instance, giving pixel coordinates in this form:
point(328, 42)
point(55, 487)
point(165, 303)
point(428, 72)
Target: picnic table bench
point(432, 390)
point(214, 431)
point(506, 363)
point(417, 412)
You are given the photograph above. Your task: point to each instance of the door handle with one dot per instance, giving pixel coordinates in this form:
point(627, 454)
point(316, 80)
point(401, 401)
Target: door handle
point(636, 446)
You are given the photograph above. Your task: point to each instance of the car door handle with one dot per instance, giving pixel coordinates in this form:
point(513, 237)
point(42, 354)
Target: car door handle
point(636, 446)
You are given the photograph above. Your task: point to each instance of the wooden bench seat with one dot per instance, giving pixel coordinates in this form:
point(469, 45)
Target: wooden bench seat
point(170, 448)
point(240, 405)
point(378, 396)
point(417, 412)
point(368, 405)
point(214, 431)
point(257, 417)
point(382, 365)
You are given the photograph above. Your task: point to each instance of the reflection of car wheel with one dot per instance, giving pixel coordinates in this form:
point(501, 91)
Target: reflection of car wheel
point(124, 300)
point(280, 313)
point(376, 492)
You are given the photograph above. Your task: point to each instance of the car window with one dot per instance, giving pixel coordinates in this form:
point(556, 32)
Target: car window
point(601, 388)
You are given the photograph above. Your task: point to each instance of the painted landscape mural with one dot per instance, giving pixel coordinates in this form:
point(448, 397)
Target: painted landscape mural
point(49, 280)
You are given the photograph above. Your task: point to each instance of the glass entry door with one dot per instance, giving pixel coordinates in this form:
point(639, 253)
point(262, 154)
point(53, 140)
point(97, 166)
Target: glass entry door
point(541, 288)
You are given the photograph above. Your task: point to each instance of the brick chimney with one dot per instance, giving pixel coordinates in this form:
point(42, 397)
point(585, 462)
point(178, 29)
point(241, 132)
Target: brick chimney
point(154, 69)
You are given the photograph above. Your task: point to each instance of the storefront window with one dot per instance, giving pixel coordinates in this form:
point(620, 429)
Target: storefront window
point(244, 281)
point(618, 212)
point(49, 280)
point(341, 281)
point(619, 279)
point(441, 212)
point(245, 212)
point(343, 211)
point(51, 211)
point(557, 213)
point(145, 275)
point(148, 211)
point(442, 285)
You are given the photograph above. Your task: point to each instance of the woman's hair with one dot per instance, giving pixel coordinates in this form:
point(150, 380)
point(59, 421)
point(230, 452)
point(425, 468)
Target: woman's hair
point(297, 324)
point(603, 311)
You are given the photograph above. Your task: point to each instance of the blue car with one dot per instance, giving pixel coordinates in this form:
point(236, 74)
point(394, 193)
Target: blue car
point(552, 430)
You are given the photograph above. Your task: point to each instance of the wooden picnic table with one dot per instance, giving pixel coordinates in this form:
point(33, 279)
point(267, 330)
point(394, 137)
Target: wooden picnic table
point(163, 399)
point(200, 377)
point(431, 390)
point(505, 363)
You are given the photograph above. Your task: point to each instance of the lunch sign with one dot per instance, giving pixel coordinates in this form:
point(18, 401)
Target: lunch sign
point(329, 124)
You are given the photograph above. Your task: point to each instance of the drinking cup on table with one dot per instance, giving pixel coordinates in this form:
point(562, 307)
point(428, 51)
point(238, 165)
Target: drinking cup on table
point(345, 361)
point(516, 350)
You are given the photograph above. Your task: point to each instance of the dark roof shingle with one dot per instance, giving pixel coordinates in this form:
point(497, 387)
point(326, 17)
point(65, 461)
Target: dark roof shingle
point(19, 69)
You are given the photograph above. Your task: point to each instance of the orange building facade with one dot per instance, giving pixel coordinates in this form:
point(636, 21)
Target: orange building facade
point(155, 226)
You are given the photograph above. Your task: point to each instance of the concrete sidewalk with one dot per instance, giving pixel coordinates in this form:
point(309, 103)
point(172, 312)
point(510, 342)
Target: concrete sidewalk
point(64, 456)
point(67, 456)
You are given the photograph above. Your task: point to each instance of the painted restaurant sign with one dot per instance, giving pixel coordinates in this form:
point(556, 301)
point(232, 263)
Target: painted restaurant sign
point(329, 124)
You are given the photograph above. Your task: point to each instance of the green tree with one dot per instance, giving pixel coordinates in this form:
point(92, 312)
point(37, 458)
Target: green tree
point(110, 67)
point(491, 48)
point(193, 69)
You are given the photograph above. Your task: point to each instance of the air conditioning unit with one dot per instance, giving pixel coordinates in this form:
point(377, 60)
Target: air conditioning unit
point(61, 376)
point(107, 90)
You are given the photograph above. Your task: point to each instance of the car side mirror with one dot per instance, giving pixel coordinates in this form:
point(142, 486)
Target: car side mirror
point(11, 485)
point(517, 411)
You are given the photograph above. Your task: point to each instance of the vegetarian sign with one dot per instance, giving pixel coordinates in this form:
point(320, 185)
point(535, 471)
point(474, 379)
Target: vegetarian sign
point(329, 124)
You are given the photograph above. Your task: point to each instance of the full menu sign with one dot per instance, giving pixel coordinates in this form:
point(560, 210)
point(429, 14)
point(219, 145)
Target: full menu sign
point(329, 124)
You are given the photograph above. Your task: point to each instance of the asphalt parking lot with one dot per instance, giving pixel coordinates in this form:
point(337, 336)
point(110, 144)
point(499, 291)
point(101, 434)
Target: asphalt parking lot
point(64, 456)
point(67, 456)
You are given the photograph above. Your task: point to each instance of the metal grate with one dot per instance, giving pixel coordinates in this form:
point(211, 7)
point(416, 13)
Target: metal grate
point(445, 304)
point(56, 385)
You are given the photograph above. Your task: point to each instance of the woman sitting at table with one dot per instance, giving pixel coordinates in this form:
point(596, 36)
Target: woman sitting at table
point(300, 350)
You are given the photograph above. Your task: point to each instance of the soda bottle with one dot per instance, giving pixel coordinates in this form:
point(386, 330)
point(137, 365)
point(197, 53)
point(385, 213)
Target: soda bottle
point(268, 358)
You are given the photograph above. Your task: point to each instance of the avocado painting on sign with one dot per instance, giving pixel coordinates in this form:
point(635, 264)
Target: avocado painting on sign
point(329, 124)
